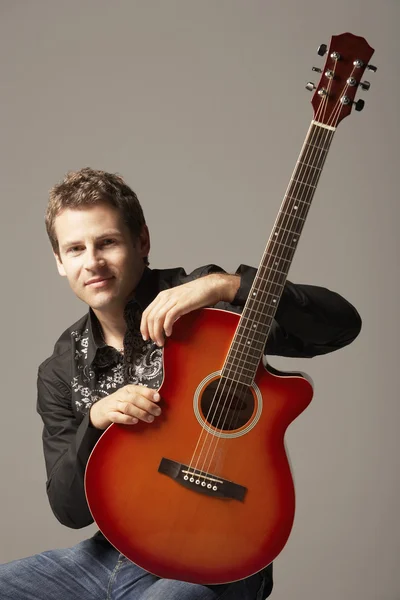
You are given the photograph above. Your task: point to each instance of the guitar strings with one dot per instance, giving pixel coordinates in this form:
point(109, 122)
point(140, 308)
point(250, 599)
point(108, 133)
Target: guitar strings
point(334, 120)
point(310, 149)
point(272, 284)
point(292, 217)
point(284, 223)
point(314, 184)
point(232, 381)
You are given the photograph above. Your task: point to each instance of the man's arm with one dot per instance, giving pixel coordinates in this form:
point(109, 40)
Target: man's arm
point(170, 304)
point(67, 445)
point(310, 320)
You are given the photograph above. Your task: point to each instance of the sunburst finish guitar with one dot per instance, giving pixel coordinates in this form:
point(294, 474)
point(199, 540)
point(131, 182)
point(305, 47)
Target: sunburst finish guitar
point(205, 494)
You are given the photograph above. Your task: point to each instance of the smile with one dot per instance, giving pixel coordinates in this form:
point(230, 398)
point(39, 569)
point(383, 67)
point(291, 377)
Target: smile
point(99, 282)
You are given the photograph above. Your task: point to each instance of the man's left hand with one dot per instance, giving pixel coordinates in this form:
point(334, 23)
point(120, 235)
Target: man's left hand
point(169, 305)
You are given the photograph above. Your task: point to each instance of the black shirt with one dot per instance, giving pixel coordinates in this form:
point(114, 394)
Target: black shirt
point(310, 320)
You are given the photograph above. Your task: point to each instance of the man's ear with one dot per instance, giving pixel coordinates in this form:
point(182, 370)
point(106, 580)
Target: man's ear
point(60, 266)
point(144, 241)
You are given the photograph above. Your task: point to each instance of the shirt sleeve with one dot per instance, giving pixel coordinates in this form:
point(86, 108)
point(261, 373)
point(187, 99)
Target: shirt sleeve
point(310, 320)
point(67, 445)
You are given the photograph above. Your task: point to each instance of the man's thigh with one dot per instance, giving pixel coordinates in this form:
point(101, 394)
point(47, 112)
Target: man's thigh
point(83, 571)
point(132, 583)
point(94, 570)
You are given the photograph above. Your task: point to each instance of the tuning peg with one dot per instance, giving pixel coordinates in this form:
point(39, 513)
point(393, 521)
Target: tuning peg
point(372, 68)
point(322, 49)
point(310, 86)
point(365, 85)
point(359, 105)
point(317, 69)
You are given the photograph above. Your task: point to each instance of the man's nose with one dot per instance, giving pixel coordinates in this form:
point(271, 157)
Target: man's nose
point(93, 259)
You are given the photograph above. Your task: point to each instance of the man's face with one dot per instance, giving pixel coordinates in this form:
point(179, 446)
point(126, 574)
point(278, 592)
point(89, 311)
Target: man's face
point(98, 256)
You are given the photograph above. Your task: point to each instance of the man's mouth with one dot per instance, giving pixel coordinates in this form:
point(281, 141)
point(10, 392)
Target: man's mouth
point(98, 281)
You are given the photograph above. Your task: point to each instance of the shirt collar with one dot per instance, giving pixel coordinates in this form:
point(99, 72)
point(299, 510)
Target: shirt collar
point(144, 293)
point(146, 290)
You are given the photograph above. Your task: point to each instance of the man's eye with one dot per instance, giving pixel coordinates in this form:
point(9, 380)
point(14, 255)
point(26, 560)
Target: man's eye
point(74, 249)
point(108, 242)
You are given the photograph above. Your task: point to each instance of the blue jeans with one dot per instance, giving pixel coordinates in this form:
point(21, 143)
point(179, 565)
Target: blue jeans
point(94, 570)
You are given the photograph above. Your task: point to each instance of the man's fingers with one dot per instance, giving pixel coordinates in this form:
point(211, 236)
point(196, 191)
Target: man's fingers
point(139, 407)
point(188, 296)
point(117, 417)
point(172, 316)
point(154, 323)
point(131, 390)
point(148, 315)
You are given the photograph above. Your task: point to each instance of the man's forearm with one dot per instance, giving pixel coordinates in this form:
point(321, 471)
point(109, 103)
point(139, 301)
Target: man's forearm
point(228, 285)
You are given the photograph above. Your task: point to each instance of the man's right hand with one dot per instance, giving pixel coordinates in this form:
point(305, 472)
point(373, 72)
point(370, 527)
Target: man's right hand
point(127, 405)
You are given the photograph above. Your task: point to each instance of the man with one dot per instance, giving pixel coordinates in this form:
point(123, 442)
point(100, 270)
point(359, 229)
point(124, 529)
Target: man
point(107, 367)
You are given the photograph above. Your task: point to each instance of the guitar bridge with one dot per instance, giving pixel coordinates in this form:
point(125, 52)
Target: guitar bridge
point(202, 482)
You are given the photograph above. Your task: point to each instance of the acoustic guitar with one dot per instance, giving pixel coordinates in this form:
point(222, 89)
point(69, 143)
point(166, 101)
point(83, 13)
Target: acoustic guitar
point(205, 494)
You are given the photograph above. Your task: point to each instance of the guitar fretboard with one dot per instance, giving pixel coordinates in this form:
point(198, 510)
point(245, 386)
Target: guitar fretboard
point(257, 317)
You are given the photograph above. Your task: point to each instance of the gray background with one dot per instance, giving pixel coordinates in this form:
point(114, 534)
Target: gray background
point(201, 106)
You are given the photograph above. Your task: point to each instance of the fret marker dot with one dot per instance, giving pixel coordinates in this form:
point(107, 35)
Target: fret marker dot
point(276, 233)
point(295, 239)
point(274, 300)
point(277, 263)
point(295, 207)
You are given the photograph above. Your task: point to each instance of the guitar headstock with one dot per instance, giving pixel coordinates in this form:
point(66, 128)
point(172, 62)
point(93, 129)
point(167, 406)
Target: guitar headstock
point(347, 58)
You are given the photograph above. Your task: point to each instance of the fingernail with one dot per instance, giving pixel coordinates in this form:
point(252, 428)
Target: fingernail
point(156, 397)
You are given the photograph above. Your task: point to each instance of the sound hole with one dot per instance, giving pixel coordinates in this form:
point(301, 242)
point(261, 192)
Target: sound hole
point(227, 405)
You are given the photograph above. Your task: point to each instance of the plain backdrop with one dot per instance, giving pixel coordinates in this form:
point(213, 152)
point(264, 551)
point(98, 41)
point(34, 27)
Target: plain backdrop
point(201, 106)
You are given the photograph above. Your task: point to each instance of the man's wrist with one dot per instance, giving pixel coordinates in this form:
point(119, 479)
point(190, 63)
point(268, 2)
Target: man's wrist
point(94, 417)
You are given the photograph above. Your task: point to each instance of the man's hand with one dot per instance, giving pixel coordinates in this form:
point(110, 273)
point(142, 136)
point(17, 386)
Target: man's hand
point(127, 405)
point(169, 305)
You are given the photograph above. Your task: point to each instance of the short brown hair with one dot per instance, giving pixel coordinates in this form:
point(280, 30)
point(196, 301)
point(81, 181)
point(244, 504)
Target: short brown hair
point(88, 187)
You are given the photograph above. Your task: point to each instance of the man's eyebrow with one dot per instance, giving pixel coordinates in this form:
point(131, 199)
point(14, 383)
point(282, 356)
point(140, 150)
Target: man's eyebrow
point(105, 234)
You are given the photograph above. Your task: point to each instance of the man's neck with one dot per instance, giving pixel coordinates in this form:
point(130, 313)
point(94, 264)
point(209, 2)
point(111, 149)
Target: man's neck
point(113, 326)
point(112, 321)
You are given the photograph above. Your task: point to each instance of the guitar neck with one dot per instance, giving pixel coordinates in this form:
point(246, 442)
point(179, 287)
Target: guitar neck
point(256, 320)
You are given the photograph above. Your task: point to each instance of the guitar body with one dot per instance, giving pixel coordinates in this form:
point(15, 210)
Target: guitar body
point(185, 530)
